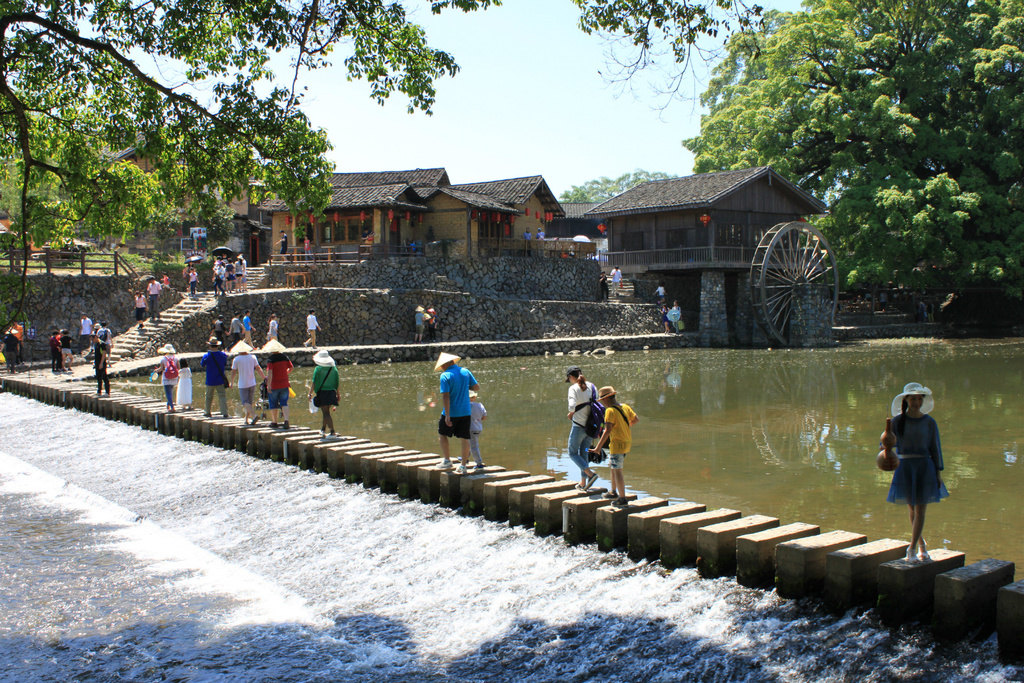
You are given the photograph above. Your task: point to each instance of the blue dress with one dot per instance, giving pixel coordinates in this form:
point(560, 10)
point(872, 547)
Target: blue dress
point(916, 480)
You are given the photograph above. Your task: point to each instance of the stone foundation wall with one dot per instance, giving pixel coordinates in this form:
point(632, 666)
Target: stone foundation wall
point(379, 316)
point(501, 277)
point(57, 301)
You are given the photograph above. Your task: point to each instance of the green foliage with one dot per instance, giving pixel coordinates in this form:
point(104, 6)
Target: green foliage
point(605, 188)
point(903, 116)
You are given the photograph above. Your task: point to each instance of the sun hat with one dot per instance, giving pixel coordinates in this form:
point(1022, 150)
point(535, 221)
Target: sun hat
point(605, 392)
point(323, 357)
point(213, 342)
point(419, 309)
point(273, 346)
point(241, 347)
point(573, 370)
point(473, 394)
point(444, 359)
point(166, 349)
point(913, 389)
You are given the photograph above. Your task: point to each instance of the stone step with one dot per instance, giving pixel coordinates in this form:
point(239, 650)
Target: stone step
point(716, 544)
point(520, 500)
point(678, 535)
point(755, 553)
point(642, 539)
point(906, 590)
point(851, 574)
point(800, 564)
point(1010, 619)
point(613, 521)
point(579, 517)
point(965, 598)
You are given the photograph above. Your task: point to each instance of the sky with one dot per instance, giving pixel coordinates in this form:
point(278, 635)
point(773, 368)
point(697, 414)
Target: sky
point(533, 97)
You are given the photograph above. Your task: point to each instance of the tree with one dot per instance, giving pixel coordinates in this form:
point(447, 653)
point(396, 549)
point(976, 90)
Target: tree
point(605, 188)
point(904, 116)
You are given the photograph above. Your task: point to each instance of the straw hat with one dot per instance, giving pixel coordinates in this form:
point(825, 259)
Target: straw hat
point(322, 357)
point(241, 347)
point(166, 349)
point(473, 394)
point(419, 309)
point(913, 389)
point(213, 342)
point(273, 346)
point(444, 359)
point(605, 392)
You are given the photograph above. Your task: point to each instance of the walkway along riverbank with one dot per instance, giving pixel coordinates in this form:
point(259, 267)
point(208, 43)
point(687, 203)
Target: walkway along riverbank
point(840, 568)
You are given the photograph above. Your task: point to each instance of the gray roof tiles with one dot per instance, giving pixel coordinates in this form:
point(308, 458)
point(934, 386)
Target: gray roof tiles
point(694, 191)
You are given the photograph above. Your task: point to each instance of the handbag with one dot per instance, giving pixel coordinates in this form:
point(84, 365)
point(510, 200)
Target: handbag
point(315, 400)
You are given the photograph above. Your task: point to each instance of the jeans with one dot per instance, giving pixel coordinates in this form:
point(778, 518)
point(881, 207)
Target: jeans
point(579, 442)
point(192, 288)
point(169, 393)
point(154, 306)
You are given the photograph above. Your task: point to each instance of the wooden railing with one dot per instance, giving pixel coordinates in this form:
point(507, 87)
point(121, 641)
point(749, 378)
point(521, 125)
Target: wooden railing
point(682, 258)
point(508, 246)
point(82, 262)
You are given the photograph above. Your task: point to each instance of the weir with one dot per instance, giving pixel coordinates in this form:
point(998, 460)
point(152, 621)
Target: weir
point(840, 567)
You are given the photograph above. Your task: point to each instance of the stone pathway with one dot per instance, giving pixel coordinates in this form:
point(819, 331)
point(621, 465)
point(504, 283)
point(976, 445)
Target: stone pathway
point(128, 343)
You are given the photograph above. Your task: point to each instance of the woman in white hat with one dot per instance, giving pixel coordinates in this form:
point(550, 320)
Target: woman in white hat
point(168, 372)
point(916, 480)
point(244, 367)
point(324, 390)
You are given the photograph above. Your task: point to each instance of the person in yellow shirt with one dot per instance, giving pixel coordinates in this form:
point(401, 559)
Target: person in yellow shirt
point(619, 419)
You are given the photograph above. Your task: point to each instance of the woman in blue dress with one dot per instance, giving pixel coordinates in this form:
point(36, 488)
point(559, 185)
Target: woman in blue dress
point(916, 481)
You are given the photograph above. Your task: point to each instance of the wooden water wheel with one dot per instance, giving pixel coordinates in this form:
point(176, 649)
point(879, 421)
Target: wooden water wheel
point(790, 255)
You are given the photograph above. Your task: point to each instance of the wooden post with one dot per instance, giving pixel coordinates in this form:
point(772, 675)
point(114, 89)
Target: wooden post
point(83, 263)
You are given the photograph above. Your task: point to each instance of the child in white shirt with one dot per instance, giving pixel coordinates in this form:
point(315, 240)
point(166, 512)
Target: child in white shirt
point(477, 415)
point(184, 397)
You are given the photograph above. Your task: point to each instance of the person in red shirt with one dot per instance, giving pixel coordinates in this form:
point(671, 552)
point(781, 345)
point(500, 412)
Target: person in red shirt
point(278, 386)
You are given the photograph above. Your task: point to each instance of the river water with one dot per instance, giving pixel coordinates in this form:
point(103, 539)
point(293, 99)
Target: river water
point(792, 434)
point(129, 556)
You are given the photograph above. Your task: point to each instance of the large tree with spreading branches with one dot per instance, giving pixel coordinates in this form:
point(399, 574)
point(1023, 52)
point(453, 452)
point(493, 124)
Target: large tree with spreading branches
point(904, 115)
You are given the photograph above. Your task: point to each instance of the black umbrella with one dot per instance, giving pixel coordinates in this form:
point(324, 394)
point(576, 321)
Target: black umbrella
point(193, 259)
point(222, 251)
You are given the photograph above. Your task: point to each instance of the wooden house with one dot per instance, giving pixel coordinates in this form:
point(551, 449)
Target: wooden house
point(707, 220)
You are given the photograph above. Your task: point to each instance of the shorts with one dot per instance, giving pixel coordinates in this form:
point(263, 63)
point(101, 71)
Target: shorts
point(419, 329)
point(615, 460)
point(247, 394)
point(459, 428)
point(327, 397)
point(277, 398)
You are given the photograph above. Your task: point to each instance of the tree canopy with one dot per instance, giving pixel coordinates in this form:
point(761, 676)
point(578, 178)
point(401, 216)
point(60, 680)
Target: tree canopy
point(603, 188)
point(904, 116)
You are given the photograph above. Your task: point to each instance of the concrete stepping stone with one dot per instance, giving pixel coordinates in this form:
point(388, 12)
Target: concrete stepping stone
point(716, 543)
point(755, 553)
point(521, 499)
point(851, 574)
point(496, 494)
point(579, 517)
point(612, 522)
point(1010, 620)
point(642, 538)
point(965, 598)
point(800, 564)
point(906, 590)
point(678, 535)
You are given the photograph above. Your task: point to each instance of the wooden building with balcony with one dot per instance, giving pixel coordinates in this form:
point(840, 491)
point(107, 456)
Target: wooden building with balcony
point(699, 236)
point(707, 220)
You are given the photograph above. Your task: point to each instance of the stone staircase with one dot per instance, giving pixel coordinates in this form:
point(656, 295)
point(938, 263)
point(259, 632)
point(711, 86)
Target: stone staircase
point(128, 344)
point(624, 294)
point(255, 277)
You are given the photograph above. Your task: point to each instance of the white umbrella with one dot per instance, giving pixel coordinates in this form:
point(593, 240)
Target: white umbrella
point(580, 238)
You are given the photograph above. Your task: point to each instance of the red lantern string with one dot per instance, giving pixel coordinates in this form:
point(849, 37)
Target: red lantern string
point(362, 215)
point(508, 230)
point(391, 215)
point(536, 214)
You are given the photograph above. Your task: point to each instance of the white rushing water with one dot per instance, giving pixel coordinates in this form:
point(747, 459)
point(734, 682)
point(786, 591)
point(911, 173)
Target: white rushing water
point(133, 556)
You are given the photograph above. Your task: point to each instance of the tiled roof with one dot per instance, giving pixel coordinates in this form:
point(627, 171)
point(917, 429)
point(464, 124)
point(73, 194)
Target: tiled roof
point(516, 191)
point(695, 191)
point(478, 200)
point(577, 209)
point(416, 176)
point(360, 197)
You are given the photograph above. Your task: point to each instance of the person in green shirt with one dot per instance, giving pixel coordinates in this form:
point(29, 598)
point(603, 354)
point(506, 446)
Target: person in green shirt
point(324, 390)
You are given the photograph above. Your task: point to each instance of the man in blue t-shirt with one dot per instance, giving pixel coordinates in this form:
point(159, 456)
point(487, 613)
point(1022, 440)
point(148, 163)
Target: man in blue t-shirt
point(215, 363)
point(456, 383)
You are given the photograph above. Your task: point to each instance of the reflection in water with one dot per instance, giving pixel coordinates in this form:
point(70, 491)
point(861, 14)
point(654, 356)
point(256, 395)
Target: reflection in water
point(789, 433)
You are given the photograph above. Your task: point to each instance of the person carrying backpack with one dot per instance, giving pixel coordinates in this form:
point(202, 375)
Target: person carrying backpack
point(582, 396)
point(168, 372)
point(619, 419)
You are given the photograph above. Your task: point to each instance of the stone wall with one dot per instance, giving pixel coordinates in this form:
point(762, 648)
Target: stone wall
point(810, 322)
point(500, 277)
point(57, 301)
point(379, 316)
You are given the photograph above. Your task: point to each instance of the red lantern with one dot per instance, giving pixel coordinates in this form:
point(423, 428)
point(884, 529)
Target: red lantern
point(391, 215)
point(335, 216)
point(472, 214)
point(408, 216)
point(421, 219)
point(705, 219)
point(288, 220)
point(601, 228)
point(536, 214)
point(512, 219)
point(394, 225)
point(311, 219)
point(362, 215)
point(508, 230)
